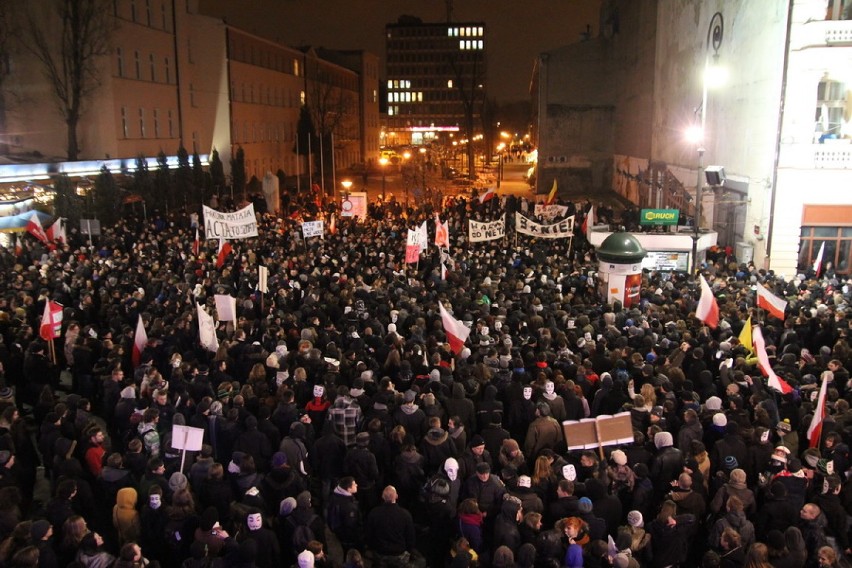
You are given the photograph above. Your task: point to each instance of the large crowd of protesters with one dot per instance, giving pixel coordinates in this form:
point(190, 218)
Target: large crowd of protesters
point(340, 428)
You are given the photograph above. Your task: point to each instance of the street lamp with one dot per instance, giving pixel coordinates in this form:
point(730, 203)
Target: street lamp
point(347, 185)
point(406, 156)
point(696, 133)
point(383, 162)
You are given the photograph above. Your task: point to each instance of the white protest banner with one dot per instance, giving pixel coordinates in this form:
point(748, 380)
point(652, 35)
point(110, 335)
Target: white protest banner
point(354, 204)
point(560, 230)
point(226, 307)
point(262, 279)
point(479, 232)
point(236, 225)
point(207, 330)
point(312, 229)
point(550, 211)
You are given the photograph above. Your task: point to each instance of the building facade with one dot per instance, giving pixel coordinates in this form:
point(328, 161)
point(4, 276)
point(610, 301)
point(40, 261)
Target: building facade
point(175, 76)
point(613, 114)
point(435, 79)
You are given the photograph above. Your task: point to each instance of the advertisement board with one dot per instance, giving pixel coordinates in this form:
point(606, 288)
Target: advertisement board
point(659, 217)
point(666, 261)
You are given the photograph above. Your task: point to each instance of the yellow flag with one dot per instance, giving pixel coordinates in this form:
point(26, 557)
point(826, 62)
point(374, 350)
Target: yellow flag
point(552, 196)
point(745, 336)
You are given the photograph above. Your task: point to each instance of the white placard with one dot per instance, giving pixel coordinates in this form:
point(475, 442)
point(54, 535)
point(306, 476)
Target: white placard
point(312, 229)
point(187, 438)
point(262, 279)
point(226, 307)
point(550, 211)
point(240, 224)
point(479, 232)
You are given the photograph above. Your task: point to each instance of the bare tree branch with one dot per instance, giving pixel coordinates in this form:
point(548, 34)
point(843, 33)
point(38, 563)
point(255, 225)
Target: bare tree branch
point(70, 63)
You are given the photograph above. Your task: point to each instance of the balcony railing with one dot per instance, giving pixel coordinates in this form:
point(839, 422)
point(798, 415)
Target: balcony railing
point(821, 33)
point(831, 156)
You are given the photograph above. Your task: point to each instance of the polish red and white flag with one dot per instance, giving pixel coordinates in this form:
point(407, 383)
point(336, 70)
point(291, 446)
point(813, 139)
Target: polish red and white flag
point(707, 310)
point(457, 332)
point(196, 244)
point(770, 302)
point(35, 229)
point(815, 429)
point(489, 194)
point(818, 261)
point(51, 321)
point(225, 249)
point(140, 340)
point(774, 381)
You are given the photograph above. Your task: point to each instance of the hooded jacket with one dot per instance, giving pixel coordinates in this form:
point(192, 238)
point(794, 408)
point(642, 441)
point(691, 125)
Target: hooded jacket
point(125, 517)
point(506, 531)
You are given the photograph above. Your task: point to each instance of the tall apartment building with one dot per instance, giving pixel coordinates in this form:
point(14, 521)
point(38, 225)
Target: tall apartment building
point(176, 76)
point(433, 72)
point(613, 114)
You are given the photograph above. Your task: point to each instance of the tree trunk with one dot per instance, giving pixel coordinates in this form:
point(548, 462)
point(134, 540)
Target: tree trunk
point(73, 148)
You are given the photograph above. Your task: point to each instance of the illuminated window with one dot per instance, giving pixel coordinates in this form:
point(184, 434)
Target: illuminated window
point(390, 84)
point(296, 68)
point(832, 100)
point(302, 98)
point(480, 31)
point(450, 84)
point(461, 44)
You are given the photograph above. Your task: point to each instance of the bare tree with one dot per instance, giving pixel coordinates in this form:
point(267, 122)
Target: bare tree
point(68, 37)
point(469, 71)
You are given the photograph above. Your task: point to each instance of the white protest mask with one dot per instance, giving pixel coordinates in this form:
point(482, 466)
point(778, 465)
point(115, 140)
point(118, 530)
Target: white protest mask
point(254, 521)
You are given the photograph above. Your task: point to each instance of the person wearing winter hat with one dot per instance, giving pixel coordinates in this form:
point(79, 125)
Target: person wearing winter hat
point(666, 465)
point(178, 481)
point(287, 506)
point(305, 559)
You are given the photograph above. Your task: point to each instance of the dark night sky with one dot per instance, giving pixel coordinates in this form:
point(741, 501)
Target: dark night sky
point(518, 30)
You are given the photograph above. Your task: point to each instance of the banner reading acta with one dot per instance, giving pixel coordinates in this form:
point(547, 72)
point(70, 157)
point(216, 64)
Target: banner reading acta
point(240, 224)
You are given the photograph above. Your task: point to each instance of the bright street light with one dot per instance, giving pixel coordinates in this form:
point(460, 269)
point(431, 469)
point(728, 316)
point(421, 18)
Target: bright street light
point(714, 39)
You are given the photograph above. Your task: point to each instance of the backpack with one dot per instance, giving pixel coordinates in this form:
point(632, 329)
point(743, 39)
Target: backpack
point(302, 533)
point(151, 440)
